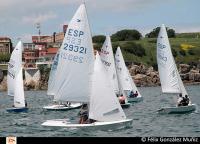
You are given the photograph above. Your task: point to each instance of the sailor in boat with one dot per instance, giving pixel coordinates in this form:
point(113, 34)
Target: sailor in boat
point(67, 104)
point(136, 94)
point(26, 105)
point(132, 94)
point(84, 115)
point(121, 99)
point(183, 101)
point(180, 100)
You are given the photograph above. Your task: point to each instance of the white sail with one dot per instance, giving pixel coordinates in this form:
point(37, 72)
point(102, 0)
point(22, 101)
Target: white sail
point(19, 100)
point(169, 75)
point(124, 77)
point(15, 78)
point(52, 75)
point(104, 105)
point(108, 61)
point(76, 59)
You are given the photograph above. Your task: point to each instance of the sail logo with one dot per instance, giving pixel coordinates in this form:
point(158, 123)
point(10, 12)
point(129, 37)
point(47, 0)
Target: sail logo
point(162, 57)
point(161, 54)
point(161, 46)
point(106, 63)
point(173, 73)
point(104, 52)
point(11, 63)
point(74, 48)
point(71, 57)
point(11, 75)
point(75, 33)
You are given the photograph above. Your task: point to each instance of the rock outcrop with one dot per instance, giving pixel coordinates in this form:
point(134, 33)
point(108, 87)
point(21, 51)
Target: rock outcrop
point(141, 74)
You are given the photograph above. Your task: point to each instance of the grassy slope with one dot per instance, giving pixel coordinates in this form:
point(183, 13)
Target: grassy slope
point(149, 44)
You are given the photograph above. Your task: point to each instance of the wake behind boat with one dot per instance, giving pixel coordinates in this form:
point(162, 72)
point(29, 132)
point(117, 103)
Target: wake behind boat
point(169, 76)
point(15, 80)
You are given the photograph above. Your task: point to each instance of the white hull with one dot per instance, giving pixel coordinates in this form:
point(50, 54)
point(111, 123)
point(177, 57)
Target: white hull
point(96, 125)
point(135, 99)
point(63, 107)
point(177, 110)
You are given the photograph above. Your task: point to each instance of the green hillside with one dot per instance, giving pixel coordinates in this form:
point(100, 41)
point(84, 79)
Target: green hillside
point(186, 49)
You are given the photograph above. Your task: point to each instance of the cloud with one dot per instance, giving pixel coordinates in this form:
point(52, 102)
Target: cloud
point(26, 37)
point(38, 18)
point(120, 5)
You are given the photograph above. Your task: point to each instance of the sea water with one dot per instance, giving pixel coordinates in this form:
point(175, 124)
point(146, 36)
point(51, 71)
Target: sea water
point(146, 121)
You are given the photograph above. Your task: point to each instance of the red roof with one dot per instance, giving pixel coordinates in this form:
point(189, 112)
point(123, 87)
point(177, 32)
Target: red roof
point(4, 38)
point(52, 50)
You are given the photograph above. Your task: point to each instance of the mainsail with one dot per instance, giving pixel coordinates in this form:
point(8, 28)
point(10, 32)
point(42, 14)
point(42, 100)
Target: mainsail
point(109, 63)
point(52, 75)
point(124, 77)
point(104, 105)
point(76, 58)
point(169, 75)
point(15, 78)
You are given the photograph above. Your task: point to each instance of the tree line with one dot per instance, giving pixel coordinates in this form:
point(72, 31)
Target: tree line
point(132, 34)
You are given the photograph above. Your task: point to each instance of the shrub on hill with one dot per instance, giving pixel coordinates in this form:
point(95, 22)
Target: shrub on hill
point(126, 35)
point(154, 33)
point(174, 53)
point(134, 48)
point(191, 52)
point(182, 52)
point(98, 38)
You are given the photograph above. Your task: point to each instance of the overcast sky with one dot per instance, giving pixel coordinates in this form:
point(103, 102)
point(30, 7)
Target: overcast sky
point(18, 17)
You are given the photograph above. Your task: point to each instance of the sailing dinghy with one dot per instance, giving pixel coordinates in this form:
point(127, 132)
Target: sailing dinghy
point(104, 105)
point(125, 81)
point(169, 76)
point(107, 58)
point(15, 80)
point(87, 81)
point(60, 106)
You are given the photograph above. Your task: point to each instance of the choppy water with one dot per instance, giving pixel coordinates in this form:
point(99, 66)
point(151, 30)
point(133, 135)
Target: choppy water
point(146, 122)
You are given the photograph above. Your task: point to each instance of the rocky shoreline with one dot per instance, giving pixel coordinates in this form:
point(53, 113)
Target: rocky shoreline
point(143, 77)
point(147, 76)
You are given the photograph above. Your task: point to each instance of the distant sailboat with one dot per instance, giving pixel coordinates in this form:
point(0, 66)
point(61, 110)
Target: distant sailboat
point(169, 76)
point(15, 80)
point(51, 89)
point(125, 80)
point(86, 81)
point(107, 58)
